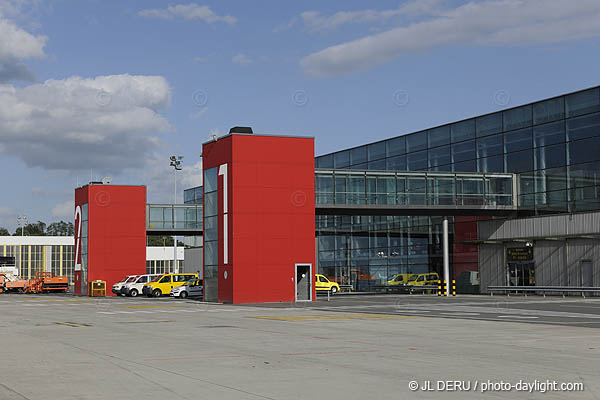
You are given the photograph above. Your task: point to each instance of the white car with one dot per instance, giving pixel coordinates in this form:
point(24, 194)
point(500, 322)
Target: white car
point(116, 289)
point(134, 287)
point(193, 288)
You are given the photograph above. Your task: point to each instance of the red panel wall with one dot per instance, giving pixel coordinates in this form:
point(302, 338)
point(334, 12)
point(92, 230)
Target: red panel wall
point(116, 231)
point(465, 256)
point(271, 214)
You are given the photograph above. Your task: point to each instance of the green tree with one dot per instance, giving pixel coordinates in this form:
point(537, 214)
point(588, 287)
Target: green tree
point(36, 229)
point(60, 228)
point(4, 231)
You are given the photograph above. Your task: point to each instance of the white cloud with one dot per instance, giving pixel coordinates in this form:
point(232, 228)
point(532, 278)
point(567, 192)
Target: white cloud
point(189, 12)
point(17, 44)
point(64, 210)
point(242, 59)
point(315, 21)
point(107, 122)
point(199, 114)
point(498, 22)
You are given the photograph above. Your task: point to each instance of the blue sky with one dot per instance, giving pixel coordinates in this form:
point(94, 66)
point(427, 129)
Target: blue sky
point(116, 87)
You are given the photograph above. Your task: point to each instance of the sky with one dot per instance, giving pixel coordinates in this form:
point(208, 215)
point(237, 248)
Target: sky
point(92, 88)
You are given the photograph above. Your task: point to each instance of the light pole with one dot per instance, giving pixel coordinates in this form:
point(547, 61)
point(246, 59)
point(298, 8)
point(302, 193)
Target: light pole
point(22, 221)
point(176, 164)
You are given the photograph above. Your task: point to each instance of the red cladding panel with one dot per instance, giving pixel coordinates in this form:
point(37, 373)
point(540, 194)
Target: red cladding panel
point(116, 231)
point(271, 214)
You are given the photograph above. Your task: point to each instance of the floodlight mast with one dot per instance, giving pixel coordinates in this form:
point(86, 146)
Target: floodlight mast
point(176, 164)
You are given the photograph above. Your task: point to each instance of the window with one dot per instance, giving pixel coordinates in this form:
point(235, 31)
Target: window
point(489, 146)
point(519, 161)
point(583, 127)
point(464, 151)
point(550, 156)
point(142, 279)
point(378, 165)
point(322, 162)
point(488, 124)
point(584, 102)
point(396, 146)
point(341, 159)
point(544, 135)
point(165, 279)
point(421, 278)
point(439, 136)
point(518, 140)
point(549, 110)
point(417, 161)
point(465, 166)
point(416, 141)
point(439, 156)
point(584, 150)
point(376, 151)
point(517, 118)
point(464, 130)
point(397, 163)
point(491, 164)
point(358, 155)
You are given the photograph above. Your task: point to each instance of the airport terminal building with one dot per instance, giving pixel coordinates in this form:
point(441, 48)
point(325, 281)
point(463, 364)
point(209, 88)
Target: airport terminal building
point(551, 146)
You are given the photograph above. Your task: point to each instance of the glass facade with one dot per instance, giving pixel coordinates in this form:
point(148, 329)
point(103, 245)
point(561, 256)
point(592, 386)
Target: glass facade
point(553, 145)
point(211, 236)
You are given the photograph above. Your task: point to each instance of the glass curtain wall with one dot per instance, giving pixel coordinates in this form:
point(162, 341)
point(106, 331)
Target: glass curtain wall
point(211, 242)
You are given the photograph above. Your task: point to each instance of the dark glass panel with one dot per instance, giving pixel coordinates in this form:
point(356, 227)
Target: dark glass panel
point(439, 156)
point(416, 141)
point(463, 151)
point(417, 161)
point(488, 124)
point(439, 136)
point(397, 163)
point(491, 164)
point(465, 166)
point(583, 127)
point(358, 155)
point(584, 150)
point(518, 140)
point(396, 146)
point(325, 161)
point(584, 102)
point(549, 110)
point(341, 159)
point(520, 161)
point(378, 165)
point(544, 135)
point(376, 151)
point(517, 118)
point(550, 156)
point(464, 130)
point(489, 146)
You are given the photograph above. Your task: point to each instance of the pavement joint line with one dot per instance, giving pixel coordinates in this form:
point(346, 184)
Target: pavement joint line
point(297, 318)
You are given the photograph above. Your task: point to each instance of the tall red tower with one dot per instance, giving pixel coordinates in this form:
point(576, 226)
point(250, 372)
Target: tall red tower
point(110, 234)
point(259, 219)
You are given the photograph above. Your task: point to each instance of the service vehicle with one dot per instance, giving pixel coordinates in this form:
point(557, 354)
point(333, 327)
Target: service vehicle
point(430, 278)
point(398, 279)
point(135, 287)
point(116, 289)
point(322, 284)
point(193, 288)
point(163, 284)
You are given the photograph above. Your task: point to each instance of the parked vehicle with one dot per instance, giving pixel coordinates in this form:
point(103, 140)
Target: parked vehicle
point(430, 278)
point(162, 285)
point(193, 288)
point(116, 289)
point(398, 279)
point(322, 284)
point(135, 287)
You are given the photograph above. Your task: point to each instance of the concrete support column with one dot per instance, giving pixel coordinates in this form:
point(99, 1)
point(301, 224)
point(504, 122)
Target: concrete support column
point(446, 255)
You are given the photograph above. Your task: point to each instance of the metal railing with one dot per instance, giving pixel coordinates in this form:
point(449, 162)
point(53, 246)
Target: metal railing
point(543, 289)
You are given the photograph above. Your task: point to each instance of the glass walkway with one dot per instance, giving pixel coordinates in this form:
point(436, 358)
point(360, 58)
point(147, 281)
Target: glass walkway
point(343, 192)
point(352, 192)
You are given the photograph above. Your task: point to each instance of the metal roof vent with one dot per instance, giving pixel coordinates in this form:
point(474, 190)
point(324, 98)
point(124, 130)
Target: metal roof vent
point(241, 129)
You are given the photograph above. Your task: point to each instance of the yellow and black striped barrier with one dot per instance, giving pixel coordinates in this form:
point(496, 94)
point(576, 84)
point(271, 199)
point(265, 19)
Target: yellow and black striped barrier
point(441, 290)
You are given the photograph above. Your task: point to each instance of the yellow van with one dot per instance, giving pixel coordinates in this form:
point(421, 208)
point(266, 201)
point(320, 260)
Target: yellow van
point(322, 284)
point(430, 278)
point(163, 284)
point(398, 279)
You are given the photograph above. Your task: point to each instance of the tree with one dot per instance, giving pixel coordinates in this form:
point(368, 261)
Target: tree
point(4, 231)
point(36, 229)
point(61, 228)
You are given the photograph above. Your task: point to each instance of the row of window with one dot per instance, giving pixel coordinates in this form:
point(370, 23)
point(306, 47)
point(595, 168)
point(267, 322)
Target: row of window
point(539, 116)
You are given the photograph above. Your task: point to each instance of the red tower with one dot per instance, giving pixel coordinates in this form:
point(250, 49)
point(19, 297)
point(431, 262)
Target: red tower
point(259, 219)
point(110, 234)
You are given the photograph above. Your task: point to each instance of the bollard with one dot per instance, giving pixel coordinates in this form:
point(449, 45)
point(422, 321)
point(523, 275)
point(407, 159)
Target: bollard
point(444, 289)
point(439, 291)
point(453, 287)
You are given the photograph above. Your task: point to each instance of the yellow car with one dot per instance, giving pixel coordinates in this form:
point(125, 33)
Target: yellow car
point(430, 278)
point(322, 284)
point(163, 284)
point(398, 279)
